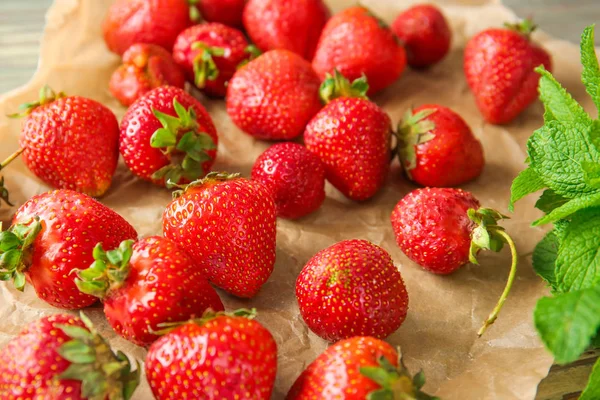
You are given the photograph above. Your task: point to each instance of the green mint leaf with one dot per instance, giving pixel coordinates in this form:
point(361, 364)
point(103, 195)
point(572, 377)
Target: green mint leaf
point(558, 102)
point(592, 389)
point(544, 258)
point(591, 71)
point(549, 201)
point(591, 171)
point(527, 182)
point(566, 323)
point(578, 261)
point(570, 207)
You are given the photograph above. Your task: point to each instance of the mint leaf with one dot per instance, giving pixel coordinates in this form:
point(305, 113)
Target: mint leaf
point(578, 261)
point(544, 258)
point(591, 171)
point(591, 71)
point(558, 103)
point(570, 207)
point(527, 182)
point(592, 389)
point(566, 323)
point(549, 200)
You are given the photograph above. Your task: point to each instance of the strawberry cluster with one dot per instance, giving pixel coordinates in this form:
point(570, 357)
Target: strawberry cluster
point(288, 71)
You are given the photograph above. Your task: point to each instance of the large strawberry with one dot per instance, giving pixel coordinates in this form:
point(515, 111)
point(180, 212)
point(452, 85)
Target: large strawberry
point(146, 283)
point(145, 21)
point(228, 226)
point(210, 54)
point(167, 135)
point(53, 234)
point(351, 288)
point(69, 142)
point(227, 12)
point(437, 148)
point(357, 43)
point(224, 356)
point(358, 368)
point(352, 136)
point(290, 25)
point(62, 357)
point(274, 96)
point(444, 229)
point(145, 67)
point(499, 65)
point(295, 176)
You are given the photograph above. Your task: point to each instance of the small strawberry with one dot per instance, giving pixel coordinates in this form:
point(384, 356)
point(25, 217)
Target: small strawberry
point(351, 288)
point(274, 96)
point(357, 43)
point(358, 368)
point(499, 66)
point(226, 12)
point(289, 25)
point(227, 225)
point(210, 54)
point(145, 21)
point(444, 229)
point(146, 283)
point(425, 33)
point(351, 136)
point(53, 234)
point(220, 356)
point(62, 357)
point(145, 67)
point(167, 135)
point(437, 148)
point(295, 176)
point(69, 142)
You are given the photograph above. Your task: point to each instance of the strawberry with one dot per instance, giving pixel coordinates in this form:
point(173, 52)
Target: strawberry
point(351, 288)
point(53, 234)
point(351, 136)
point(146, 283)
point(227, 225)
point(357, 43)
point(295, 176)
point(289, 25)
point(210, 54)
point(444, 229)
point(144, 21)
point(224, 356)
point(425, 33)
point(499, 66)
point(437, 148)
point(145, 67)
point(226, 12)
point(274, 96)
point(356, 369)
point(62, 357)
point(69, 142)
point(167, 135)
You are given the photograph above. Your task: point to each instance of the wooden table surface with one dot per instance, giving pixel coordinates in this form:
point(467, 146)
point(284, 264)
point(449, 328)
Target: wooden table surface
point(21, 24)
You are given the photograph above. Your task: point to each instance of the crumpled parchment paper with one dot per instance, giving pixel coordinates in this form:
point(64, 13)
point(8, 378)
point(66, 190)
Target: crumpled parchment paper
point(439, 334)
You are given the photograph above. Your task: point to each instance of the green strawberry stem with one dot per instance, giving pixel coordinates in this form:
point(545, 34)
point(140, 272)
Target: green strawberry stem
point(15, 244)
point(413, 130)
point(525, 27)
point(208, 315)
point(10, 158)
point(195, 14)
point(337, 85)
point(210, 178)
point(204, 63)
point(103, 373)
point(46, 96)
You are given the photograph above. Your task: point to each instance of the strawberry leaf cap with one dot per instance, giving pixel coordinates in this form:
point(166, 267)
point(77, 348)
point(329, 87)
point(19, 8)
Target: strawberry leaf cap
point(337, 85)
point(396, 382)
point(210, 179)
point(15, 250)
point(253, 53)
point(413, 130)
point(181, 141)
point(108, 272)
point(204, 63)
point(103, 373)
point(195, 15)
point(46, 96)
point(209, 314)
point(525, 27)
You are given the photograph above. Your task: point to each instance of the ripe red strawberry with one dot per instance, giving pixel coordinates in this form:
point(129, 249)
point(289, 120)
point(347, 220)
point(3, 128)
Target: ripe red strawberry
point(437, 148)
point(499, 66)
point(351, 136)
point(289, 25)
point(62, 357)
point(228, 227)
point(51, 235)
point(425, 33)
point(145, 67)
point(444, 229)
point(357, 43)
point(224, 356)
point(210, 54)
point(295, 176)
point(274, 96)
point(227, 12)
point(167, 135)
point(145, 284)
point(351, 288)
point(356, 369)
point(69, 142)
point(145, 21)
